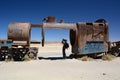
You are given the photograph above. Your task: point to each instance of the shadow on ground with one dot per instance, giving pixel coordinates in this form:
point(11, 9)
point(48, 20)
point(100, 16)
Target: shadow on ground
point(52, 58)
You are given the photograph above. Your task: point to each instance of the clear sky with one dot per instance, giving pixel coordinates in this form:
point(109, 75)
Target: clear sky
point(34, 11)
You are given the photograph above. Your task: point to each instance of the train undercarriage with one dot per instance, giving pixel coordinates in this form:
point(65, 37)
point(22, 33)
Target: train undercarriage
point(8, 51)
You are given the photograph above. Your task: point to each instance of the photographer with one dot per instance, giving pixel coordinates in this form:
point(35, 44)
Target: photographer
point(65, 46)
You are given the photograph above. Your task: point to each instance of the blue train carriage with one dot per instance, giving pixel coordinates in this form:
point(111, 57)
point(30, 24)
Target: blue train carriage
point(5, 49)
point(90, 38)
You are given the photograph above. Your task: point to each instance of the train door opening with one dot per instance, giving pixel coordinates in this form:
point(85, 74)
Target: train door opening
point(35, 36)
point(53, 45)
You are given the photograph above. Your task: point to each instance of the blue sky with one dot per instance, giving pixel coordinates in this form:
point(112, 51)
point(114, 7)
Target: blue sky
point(34, 11)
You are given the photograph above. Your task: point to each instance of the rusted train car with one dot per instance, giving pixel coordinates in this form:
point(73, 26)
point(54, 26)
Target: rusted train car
point(90, 38)
point(18, 44)
point(86, 38)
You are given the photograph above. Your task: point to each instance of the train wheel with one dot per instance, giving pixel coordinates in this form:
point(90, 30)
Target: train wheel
point(0, 57)
point(31, 55)
point(93, 56)
point(116, 54)
point(17, 56)
point(115, 51)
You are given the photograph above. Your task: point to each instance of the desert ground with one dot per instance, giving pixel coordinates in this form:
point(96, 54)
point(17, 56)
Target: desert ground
point(59, 69)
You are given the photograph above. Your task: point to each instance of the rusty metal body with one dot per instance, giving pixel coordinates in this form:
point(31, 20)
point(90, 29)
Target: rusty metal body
point(85, 38)
point(19, 33)
point(89, 38)
point(55, 25)
point(60, 25)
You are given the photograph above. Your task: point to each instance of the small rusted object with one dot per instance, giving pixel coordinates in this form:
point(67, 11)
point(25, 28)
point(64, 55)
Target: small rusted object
point(51, 19)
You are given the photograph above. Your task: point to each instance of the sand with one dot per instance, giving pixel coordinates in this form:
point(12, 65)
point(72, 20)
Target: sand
point(59, 69)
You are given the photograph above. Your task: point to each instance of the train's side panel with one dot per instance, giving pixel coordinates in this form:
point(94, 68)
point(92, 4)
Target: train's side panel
point(89, 38)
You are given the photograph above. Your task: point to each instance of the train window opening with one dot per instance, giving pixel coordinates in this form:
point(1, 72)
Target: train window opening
point(35, 35)
point(100, 24)
point(56, 35)
point(89, 23)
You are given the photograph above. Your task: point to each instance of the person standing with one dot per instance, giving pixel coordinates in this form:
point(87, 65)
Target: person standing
point(65, 46)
